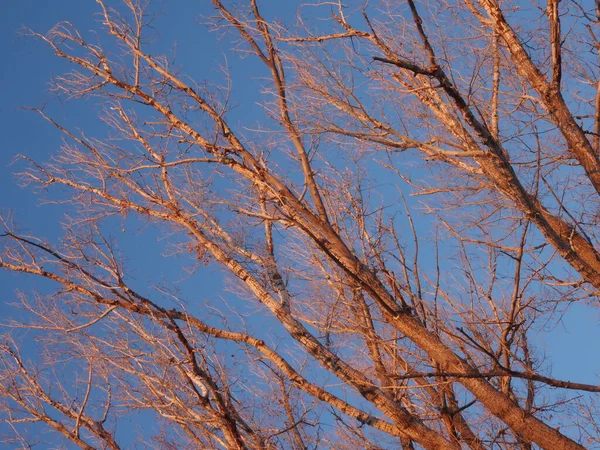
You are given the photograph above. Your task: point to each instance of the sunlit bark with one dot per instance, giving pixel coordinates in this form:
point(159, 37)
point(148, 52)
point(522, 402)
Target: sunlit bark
point(423, 357)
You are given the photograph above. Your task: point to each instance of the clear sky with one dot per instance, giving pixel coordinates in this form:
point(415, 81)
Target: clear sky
point(27, 68)
point(27, 65)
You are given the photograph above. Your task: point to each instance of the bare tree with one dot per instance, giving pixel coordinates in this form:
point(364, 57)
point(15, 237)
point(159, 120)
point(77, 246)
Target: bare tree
point(418, 199)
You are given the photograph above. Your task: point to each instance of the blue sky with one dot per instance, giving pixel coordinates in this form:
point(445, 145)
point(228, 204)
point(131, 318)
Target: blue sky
point(28, 64)
point(27, 68)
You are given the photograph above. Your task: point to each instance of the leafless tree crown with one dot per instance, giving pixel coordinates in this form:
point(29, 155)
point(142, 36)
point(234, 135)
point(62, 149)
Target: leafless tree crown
point(415, 198)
